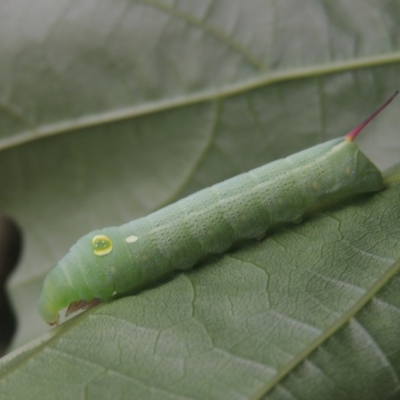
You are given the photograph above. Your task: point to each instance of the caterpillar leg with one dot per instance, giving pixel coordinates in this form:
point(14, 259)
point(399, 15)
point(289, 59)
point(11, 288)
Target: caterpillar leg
point(261, 236)
point(81, 305)
point(297, 220)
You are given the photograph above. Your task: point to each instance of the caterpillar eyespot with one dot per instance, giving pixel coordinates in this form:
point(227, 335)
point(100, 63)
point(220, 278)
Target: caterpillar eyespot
point(102, 245)
point(117, 259)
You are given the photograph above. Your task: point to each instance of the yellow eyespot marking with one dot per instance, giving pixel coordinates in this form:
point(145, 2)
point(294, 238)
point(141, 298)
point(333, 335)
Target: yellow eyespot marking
point(131, 239)
point(102, 245)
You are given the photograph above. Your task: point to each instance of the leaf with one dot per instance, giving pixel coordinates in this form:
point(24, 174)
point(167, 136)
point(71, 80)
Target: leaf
point(112, 110)
point(312, 311)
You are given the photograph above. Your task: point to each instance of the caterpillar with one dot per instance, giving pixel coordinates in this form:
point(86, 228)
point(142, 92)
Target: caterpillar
point(117, 259)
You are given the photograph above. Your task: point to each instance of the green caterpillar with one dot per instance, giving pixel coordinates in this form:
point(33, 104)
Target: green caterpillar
point(115, 260)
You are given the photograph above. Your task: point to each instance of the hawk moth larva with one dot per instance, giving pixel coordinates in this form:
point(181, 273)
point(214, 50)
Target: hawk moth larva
point(117, 259)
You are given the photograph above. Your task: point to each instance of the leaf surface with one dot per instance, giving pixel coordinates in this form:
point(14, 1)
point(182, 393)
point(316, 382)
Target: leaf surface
point(312, 311)
point(109, 111)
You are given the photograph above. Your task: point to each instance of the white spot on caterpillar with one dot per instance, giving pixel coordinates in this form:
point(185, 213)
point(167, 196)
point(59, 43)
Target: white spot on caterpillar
point(131, 239)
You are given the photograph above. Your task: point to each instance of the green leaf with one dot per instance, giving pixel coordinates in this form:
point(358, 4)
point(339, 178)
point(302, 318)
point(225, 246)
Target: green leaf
point(312, 311)
point(109, 111)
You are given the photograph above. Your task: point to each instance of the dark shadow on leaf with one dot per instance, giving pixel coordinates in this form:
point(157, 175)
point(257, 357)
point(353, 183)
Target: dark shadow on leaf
point(10, 250)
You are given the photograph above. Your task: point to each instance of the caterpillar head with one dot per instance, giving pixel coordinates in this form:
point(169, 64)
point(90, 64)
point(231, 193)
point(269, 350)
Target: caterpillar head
point(95, 268)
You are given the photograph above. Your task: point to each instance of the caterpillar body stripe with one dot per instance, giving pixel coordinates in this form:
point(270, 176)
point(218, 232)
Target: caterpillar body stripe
point(117, 259)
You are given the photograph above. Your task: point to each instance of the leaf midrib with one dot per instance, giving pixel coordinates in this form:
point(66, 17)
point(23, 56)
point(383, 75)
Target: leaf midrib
point(221, 92)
